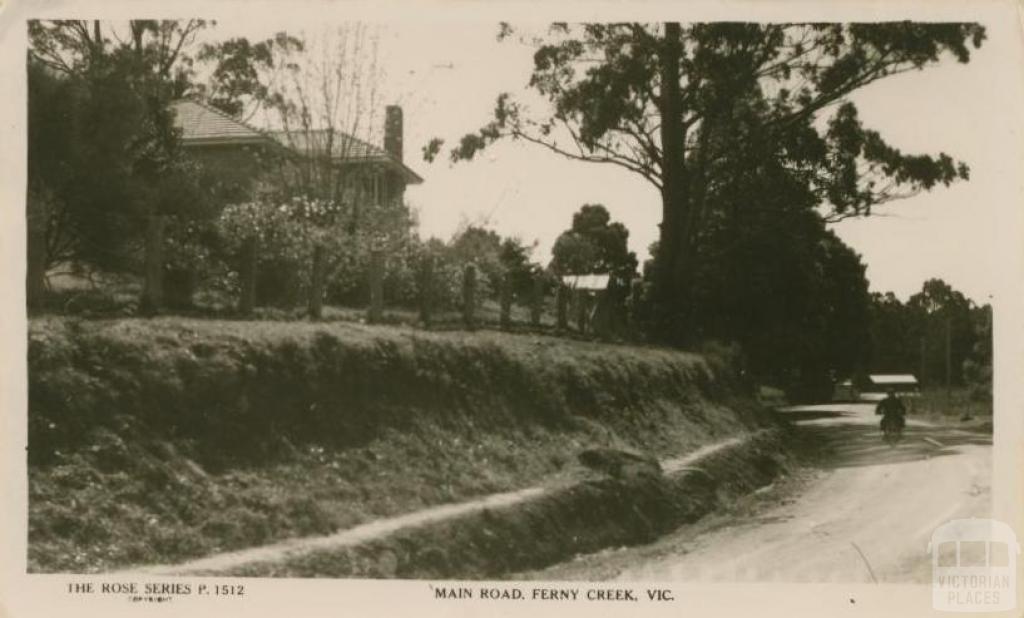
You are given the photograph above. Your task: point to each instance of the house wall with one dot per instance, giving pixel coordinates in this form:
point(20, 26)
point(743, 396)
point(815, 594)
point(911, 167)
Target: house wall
point(237, 172)
point(241, 173)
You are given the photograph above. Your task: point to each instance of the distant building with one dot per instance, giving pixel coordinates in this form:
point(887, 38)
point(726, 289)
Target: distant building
point(874, 387)
point(845, 391)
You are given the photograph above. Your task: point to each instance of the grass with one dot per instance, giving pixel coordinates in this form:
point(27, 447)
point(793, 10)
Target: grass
point(112, 296)
point(953, 406)
point(167, 439)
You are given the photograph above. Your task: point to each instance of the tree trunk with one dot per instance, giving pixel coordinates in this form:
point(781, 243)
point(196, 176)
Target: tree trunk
point(153, 286)
point(671, 282)
point(35, 280)
point(250, 259)
point(376, 311)
point(316, 283)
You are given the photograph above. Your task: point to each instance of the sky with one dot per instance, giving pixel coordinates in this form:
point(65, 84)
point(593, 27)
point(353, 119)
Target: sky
point(447, 77)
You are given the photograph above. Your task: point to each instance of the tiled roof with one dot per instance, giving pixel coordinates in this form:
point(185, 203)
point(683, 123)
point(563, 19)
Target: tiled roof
point(204, 124)
point(201, 125)
point(343, 146)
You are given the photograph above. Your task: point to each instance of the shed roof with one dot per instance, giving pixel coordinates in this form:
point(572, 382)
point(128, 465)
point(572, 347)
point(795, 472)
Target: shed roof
point(892, 378)
point(586, 282)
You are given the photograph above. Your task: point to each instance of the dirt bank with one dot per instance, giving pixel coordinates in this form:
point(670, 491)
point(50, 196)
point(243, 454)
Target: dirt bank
point(529, 529)
point(159, 441)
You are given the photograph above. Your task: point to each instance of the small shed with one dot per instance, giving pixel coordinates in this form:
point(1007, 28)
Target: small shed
point(589, 296)
point(589, 283)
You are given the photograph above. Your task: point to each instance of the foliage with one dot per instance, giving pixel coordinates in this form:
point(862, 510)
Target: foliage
point(105, 155)
point(800, 316)
point(651, 98)
point(240, 82)
point(915, 337)
point(495, 258)
point(594, 244)
point(99, 160)
point(977, 366)
point(286, 232)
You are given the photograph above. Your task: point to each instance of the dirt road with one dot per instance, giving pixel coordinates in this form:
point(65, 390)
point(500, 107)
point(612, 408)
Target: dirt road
point(864, 514)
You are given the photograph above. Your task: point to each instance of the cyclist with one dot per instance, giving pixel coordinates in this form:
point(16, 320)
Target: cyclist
point(891, 409)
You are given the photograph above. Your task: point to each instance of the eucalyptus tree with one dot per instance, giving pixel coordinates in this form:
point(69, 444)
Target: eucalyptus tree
point(652, 99)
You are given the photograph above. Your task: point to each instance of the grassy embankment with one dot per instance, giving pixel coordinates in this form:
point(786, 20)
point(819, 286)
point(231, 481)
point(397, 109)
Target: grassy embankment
point(955, 406)
point(168, 439)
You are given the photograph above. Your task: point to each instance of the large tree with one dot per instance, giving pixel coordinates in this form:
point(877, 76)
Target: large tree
point(648, 98)
point(947, 331)
point(767, 272)
point(123, 170)
point(594, 244)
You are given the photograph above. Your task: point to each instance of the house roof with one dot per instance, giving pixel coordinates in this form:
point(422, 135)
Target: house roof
point(315, 142)
point(203, 125)
point(343, 147)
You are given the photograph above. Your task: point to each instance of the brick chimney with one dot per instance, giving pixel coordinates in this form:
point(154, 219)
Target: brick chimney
point(393, 131)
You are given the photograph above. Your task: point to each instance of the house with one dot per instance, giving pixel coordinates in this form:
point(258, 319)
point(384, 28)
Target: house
point(243, 158)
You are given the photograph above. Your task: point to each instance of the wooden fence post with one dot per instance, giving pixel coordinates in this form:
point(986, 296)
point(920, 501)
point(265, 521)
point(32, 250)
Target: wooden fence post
point(537, 299)
point(562, 307)
point(247, 276)
point(426, 291)
point(35, 280)
point(316, 282)
point(376, 311)
point(582, 309)
point(636, 293)
point(506, 301)
point(153, 286)
point(469, 295)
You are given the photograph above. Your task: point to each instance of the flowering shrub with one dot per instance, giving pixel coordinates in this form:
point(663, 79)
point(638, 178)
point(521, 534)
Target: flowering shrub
point(287, 232)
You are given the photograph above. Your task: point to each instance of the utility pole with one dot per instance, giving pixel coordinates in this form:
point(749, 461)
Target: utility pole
point(923, 352)
point(949, 358)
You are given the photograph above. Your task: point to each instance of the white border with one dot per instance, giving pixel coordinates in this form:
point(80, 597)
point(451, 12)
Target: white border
point(43, 595)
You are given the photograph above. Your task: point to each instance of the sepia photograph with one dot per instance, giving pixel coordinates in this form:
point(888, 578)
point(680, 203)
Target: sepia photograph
point(510, 301)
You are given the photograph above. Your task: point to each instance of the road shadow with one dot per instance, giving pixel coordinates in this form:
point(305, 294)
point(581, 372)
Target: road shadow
point(800, 416)
point(849, 444)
